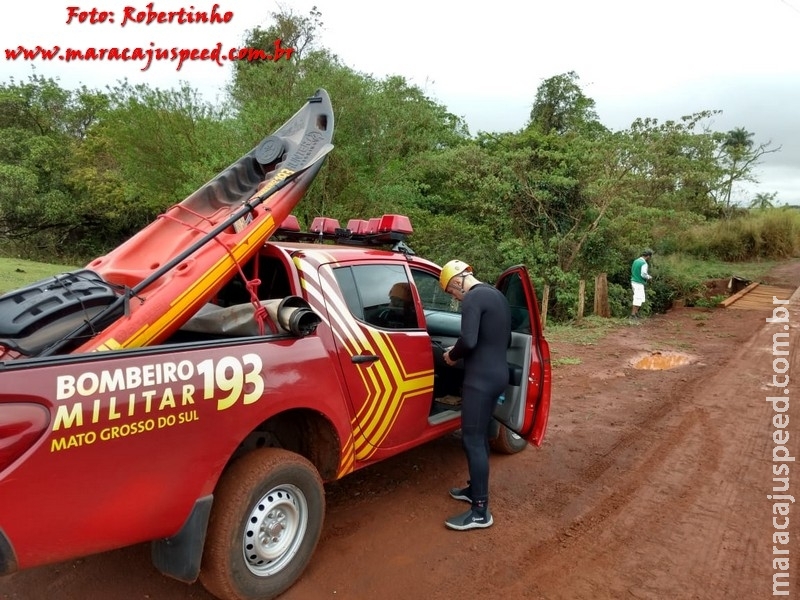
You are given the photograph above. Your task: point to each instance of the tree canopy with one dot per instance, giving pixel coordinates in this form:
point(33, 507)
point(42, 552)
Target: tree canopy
point(82, 170)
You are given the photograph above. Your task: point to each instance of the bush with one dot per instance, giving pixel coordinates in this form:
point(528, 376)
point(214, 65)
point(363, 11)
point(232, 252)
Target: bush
point(619, 299)
point(762, 234)
point(661, 292)
point(780, 233)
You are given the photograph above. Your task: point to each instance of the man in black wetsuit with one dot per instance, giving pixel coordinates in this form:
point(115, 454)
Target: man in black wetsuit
point(485, 337)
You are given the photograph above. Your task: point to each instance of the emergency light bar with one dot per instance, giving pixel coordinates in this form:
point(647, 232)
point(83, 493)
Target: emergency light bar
point(385, 230)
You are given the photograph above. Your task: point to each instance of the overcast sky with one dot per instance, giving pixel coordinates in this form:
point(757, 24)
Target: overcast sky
point(635, 58)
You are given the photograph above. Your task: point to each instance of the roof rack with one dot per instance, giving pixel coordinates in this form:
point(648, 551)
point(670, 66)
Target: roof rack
point(388, 230)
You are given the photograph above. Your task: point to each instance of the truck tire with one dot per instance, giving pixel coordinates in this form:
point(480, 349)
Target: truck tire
point(508, 442)
point(265, 522)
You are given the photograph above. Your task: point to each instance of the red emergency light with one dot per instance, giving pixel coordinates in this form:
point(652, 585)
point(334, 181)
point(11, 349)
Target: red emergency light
point(324, 226)
point(290, 223)
point(396, 224)
point(386, 230)
point(358, 226)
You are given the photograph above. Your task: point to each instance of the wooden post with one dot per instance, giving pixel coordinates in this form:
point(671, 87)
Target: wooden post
point(545, 301)
point(581, 298)
point(601, 305)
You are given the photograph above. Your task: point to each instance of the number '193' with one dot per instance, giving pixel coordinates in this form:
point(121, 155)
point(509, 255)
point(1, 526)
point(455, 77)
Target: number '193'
point(232, 376)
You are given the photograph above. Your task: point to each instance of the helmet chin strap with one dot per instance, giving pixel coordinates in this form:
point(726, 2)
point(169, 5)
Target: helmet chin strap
point(463, 279)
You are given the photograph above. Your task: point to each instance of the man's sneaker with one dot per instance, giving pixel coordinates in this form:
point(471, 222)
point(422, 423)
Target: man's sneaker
point(464, 494)
point(472, 519)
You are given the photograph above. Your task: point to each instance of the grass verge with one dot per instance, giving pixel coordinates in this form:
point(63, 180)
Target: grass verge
point(16, 272)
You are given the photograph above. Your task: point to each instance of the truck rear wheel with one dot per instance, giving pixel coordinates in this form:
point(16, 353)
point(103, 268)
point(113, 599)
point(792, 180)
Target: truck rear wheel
point(265, 523)
point(508, 442)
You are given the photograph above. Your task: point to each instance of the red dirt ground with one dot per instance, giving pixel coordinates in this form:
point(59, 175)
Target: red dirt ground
point(651, 484)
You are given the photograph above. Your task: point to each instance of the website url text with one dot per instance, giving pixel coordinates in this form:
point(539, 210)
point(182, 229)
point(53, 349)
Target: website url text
point(148, 55)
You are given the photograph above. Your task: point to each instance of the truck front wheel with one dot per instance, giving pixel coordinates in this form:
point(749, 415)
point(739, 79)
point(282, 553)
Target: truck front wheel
point(265, 523)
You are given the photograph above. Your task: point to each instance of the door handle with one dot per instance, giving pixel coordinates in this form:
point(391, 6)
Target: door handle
point(364, 358)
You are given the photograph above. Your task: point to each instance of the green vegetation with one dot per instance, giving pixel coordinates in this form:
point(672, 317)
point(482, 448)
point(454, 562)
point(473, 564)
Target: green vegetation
point(710, 302)
point(17, 272)
point(684, 277)
point(587, 332)
point(701, 270)
point(82, 170)
point(567, 360)
point(762, 234)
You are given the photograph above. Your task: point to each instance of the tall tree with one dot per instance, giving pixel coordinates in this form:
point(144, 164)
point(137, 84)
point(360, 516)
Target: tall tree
point(763, 200)
point(738, 156)
point(292, 35)
point(561, 106)
point(167, 142)
point(42, 127)
point(675, 163)
point(381, 124)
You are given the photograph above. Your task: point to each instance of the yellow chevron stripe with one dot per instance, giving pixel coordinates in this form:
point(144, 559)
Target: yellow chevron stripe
point(315, 296)
point(400, 383)
point(347, 460)
point(388, 386)
point(387, 383)
point(373, 379)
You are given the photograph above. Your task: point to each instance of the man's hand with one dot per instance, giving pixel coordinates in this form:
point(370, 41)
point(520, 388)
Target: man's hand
point(447, 358)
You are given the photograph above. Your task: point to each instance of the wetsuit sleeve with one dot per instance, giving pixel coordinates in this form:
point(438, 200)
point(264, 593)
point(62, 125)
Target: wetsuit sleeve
point(470, 323)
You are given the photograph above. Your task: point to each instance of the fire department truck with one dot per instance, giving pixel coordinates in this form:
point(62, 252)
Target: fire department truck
point(197, 387)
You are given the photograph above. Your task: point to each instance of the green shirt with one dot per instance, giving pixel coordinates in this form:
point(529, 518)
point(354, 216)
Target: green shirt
point(636, 270)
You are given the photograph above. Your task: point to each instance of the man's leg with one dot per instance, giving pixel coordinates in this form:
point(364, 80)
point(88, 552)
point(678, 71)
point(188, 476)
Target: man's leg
point(476, 415)
point(638, 299)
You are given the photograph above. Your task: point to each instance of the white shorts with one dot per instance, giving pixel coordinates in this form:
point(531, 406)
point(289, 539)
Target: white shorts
point(638, 293)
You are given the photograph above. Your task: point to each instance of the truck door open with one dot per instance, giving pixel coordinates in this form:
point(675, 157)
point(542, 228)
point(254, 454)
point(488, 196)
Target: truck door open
point(525, 406)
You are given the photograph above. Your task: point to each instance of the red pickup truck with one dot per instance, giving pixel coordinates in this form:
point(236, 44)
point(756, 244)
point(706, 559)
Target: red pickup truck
point(215, 442)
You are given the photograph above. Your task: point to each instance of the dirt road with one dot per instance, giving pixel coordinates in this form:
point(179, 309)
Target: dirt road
point(652, 484)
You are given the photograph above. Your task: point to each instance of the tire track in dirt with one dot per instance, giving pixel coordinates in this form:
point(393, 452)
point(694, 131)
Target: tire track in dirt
point(603, 523)
point(705, 449)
